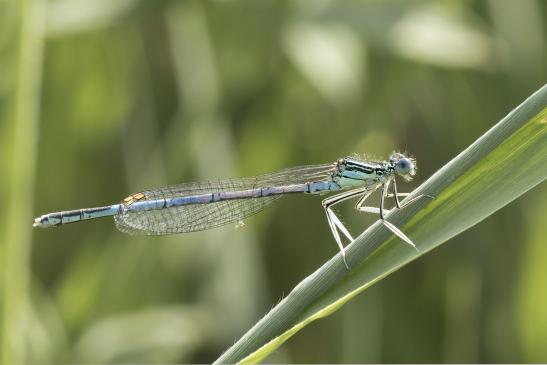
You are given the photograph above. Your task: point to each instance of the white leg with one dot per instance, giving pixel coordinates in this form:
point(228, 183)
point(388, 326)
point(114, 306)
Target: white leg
point(391, 195)
point(334, 222)
point(381, 212)
point(413, 200)
point(397, 203)
point(338, 223)
point(372, 210)
point(399, 233)
point(335, 234)
point(367, 209)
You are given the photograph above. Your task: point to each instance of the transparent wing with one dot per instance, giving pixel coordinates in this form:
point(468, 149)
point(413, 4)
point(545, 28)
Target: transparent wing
point(197, 217)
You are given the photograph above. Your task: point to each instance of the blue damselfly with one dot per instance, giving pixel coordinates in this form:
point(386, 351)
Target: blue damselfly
point(199, 206)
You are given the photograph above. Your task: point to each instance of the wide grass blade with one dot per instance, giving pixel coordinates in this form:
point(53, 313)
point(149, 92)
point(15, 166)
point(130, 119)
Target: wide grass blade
point(504, 163)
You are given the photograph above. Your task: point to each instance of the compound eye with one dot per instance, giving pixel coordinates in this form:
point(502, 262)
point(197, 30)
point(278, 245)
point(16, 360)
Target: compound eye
point(404, 166)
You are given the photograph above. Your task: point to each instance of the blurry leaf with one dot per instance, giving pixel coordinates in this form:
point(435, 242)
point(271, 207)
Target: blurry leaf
point(521, 39)
point(71, 16)
point(504, 163)
point(331, 57)
point(89, 85)
point(532, 296)
point(20, 138)
point(79, 290)
point(144, 334)
point(464, 289)
point(435, 36)
point(48, 338)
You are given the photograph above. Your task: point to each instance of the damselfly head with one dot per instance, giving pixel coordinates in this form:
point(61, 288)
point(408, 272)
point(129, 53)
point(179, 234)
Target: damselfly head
point(403, 165)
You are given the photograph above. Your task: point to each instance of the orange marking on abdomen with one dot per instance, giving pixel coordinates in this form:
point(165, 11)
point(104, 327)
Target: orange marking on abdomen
point(133, 198)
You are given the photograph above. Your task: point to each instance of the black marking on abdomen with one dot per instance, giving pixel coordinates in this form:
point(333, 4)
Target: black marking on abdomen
point(70, 214)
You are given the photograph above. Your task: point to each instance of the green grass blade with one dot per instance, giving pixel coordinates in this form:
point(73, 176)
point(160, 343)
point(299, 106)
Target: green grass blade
point(20, 141)
point(501, 165)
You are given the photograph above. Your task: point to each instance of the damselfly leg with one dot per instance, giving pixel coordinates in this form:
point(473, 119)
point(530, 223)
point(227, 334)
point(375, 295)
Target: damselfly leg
point(385, 187)
point(360, 207)
point(334, 222)
point(337, 226)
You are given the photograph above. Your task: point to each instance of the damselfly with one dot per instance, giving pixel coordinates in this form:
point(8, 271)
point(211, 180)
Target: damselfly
point(199, 206)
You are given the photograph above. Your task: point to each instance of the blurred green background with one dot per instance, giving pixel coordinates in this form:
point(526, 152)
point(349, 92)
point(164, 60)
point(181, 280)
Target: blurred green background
point(105, 98)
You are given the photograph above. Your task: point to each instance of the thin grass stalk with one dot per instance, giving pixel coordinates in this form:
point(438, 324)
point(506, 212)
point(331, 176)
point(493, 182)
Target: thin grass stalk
point(20, 180)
